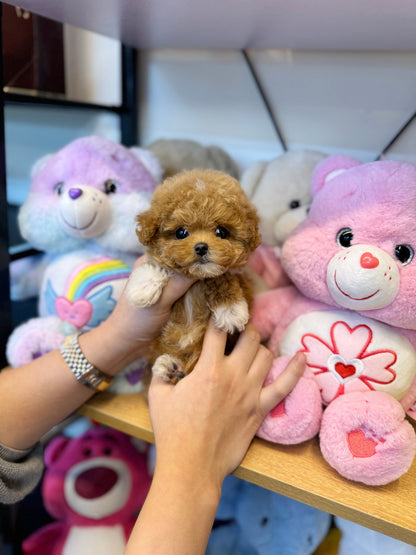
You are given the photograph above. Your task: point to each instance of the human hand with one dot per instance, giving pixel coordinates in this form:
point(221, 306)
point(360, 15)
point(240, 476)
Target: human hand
point(133, 328)
point(203, 426)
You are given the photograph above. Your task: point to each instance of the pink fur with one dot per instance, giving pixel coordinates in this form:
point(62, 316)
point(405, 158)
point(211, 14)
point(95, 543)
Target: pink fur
point(86, 504)
point(352, 311)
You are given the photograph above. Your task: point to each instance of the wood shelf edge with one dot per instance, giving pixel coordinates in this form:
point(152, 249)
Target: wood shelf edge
point(298, 471)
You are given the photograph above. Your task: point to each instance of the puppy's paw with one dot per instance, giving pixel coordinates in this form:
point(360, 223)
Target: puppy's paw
point(231, 318)
point(168, 368)
point(146, 284)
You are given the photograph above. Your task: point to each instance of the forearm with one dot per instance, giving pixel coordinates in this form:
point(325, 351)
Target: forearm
point(177, 516)
point(37, 396)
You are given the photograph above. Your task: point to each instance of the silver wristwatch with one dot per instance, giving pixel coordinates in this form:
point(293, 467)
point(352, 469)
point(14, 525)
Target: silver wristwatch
point(84, 371)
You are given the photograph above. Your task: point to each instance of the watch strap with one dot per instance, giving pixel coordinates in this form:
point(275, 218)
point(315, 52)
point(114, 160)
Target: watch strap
point(83, 370)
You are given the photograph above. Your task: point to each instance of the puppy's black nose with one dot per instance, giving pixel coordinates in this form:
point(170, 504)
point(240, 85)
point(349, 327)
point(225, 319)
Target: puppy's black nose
point(201, 249)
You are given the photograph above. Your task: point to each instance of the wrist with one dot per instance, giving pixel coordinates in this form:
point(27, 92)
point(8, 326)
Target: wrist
point(106, 351)
point(192, 484)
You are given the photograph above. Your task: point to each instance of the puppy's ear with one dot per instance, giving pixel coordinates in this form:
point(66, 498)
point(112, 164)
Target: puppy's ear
point(253, 226)
point(147, 226)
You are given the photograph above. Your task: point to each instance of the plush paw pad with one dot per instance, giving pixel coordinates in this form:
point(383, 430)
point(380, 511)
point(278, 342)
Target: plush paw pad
point(231, 318)
point(33, 339)
point(168, 368)
point(366, 438)
point(297, 418)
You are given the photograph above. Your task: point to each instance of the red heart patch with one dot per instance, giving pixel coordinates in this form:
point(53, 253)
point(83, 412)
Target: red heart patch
point(279, 410)
point(345, 370)
point(360, 445)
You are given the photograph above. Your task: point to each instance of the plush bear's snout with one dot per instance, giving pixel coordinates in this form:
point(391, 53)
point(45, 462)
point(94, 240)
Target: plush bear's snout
point(363, 277)
point(84, 212)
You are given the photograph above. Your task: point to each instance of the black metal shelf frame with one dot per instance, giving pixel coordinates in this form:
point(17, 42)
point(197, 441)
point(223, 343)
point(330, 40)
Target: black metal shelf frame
point(128, 114)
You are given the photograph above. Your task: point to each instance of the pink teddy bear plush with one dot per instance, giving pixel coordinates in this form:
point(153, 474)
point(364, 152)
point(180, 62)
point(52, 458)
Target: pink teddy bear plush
point(94, 486)
point(352, 311)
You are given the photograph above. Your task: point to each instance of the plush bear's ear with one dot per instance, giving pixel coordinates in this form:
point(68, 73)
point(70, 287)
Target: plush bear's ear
point(150, 161)
point(39, 165)
point(329, 168)
point(251, 178)
point(54, 449)
point(147, 226)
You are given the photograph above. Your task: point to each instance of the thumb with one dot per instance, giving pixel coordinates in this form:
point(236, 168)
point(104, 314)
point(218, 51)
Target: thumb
point(275, 392)
point(175, 288)
point(158, 389)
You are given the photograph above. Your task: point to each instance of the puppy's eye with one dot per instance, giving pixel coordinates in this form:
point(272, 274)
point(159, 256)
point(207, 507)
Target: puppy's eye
point(222, 232)
point(345, 237)
point(404, 253)
point(110, 186)
point(59, 187)
point(294, 204)
point(181, 233)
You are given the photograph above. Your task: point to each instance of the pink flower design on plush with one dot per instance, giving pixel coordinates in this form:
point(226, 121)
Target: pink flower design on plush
point(344, 365)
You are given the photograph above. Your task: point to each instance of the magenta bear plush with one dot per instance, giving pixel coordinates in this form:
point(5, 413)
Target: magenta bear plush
point(94, 485)
point(352, 311)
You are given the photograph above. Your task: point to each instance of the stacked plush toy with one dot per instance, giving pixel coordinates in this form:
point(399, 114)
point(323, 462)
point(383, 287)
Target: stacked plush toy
point(352, 312)
point(254, 521)
point(280, 190)
point(80, 211)
point(176, 155)
point(94, 486)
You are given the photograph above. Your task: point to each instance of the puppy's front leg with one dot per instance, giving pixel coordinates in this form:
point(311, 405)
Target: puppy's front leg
point(146, 284)
point(228, 304)
point(233, 317)
point(168, 368)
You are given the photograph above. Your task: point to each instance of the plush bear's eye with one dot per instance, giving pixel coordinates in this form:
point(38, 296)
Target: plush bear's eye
point(86, 452)
point(294, 204)
point(110, 186)
point(107, 451)
point(59, 187)
point(344, 237)
point(221, 232)
point(404, 253)
point(181, 233)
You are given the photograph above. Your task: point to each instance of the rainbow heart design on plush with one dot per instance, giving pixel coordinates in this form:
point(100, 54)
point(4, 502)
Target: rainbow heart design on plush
point(345, 370)
point(77, 313)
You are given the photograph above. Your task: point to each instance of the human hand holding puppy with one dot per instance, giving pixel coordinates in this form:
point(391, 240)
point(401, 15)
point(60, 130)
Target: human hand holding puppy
point(203, 427)
point(200, 225)
point(132, 329)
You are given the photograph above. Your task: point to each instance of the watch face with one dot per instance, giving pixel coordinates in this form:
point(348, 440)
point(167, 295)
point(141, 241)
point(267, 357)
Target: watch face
point(96, 379)
point(83, 370)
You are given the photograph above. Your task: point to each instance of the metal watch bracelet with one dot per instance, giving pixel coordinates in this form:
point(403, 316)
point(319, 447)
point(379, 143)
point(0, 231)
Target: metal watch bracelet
point(83, 370)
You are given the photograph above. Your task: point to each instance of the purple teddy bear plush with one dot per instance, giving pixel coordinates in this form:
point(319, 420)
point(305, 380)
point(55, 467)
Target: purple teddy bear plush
point(81, 211)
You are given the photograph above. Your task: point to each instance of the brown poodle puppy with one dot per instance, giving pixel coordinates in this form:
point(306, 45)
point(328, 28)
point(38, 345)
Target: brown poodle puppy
point(200, 224)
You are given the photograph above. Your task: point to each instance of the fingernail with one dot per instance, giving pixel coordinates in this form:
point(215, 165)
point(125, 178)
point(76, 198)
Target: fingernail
point(300, 356)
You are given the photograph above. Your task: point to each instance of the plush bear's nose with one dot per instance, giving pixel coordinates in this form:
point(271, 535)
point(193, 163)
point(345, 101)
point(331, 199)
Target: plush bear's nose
point(75, 192)
point(367, 260)
point(201, 249)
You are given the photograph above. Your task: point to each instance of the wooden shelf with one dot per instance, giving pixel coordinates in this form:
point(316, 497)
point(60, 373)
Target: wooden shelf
point(299, 472)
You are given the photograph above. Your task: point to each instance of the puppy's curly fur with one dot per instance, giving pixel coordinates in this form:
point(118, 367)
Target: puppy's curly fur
point(200, 224)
